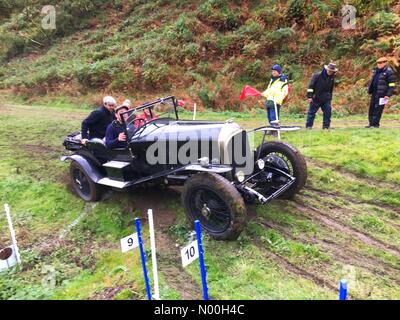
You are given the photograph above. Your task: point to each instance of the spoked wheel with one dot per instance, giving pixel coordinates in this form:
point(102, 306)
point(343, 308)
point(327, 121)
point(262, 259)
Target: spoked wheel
point(83, 185)
point(288, 159)
point(216, 203)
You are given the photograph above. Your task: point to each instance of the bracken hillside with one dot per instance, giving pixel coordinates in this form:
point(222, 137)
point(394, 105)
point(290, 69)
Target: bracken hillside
point(204, 51)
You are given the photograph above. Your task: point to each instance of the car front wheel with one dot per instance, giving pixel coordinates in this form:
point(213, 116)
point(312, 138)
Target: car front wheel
point(216, 203)
point(83, 185)
point(287, 158)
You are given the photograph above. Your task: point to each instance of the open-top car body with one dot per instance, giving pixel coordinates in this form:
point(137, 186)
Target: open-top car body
point(214, 161)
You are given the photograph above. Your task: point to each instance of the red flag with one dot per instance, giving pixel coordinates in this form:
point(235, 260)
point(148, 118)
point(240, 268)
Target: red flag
point(249, 92)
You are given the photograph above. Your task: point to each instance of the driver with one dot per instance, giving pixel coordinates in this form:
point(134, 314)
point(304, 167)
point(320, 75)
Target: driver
point(115, 133)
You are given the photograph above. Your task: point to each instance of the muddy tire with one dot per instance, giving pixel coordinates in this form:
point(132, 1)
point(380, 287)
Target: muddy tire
point(215, 202)
point(288, 159)
point(84, 187)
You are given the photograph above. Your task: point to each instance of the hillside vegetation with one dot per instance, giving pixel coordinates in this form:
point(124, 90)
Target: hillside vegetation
point(204, 50)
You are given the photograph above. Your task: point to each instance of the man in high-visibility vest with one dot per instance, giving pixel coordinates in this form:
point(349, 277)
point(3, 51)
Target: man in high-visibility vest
point(381, 88)
point(275, 93)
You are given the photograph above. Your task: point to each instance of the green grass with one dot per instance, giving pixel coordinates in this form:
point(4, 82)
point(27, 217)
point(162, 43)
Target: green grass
point(88, 262)
point(369, 153)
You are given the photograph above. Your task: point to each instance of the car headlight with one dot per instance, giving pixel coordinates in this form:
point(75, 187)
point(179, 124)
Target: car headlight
point(204, 162)
point(261, 164)
point(240, 176)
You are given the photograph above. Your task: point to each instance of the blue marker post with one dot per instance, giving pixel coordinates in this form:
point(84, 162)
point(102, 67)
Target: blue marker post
point(143, 257)
point(343, 290)
point(201, 260)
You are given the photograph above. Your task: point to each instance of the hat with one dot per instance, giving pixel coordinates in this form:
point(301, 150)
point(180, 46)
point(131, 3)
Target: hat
point(122, 106)
point(109, 100)
point(331, 66)
point(127, 103)
point(277, 67)
point(382, 59)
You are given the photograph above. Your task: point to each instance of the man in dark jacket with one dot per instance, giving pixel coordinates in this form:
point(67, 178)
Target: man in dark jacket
point(381, 88)
point(319, 94)
point(115, 133)
point(95, 125)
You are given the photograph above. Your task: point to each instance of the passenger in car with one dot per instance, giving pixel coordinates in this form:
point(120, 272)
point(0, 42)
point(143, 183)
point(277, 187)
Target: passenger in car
point(95, 125)
point(115, 133)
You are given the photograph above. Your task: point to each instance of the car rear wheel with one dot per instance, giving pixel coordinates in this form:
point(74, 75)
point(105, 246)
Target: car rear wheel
point(83, 185)
point(287, 158)
point(216, 203)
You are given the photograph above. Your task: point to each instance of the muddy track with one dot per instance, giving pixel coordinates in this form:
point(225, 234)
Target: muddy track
point(110, 293)
point(351, 256)
point(171, 267)
point(353, 211)
point(323, 193)
point(169, 263)
point(287, 265)
point(334, 224)
point(352, 175)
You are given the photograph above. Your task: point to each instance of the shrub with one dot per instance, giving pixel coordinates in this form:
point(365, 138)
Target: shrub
point(154, 73)
point(181, 29)
point(12, 46)
point(382, 23)
point(254, 71)
point(296, 9)
point(219, 15)
point(207, 97)
point(100, 73)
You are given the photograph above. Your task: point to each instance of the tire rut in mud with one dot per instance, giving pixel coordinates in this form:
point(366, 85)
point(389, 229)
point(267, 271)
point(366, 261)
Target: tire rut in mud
point(351, 256)
point(323, 193)
point(287, 265)
point(354, 210)
point(334, 224)
point(171, 268)
point(352, 175)
point(169, 263)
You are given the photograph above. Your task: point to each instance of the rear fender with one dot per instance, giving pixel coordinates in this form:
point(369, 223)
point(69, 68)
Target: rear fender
point(91, 170)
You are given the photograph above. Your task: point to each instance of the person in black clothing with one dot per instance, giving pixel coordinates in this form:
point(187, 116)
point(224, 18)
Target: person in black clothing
point(382, 86)
point(115, 133)
point(319, 94)
point(95, 125)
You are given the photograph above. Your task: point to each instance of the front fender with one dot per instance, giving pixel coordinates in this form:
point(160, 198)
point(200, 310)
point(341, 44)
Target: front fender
point(90, 169)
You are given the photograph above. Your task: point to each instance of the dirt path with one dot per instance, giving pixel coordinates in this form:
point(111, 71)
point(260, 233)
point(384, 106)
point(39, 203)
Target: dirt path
point(326, 219)
point(169, 263)
point(345, 253)
point(353, 176)
point(296, 270)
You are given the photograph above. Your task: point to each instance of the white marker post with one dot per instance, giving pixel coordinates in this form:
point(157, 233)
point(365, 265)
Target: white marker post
point(194, 111)
point(277, 120)
point(12, 233)
point(153, 255)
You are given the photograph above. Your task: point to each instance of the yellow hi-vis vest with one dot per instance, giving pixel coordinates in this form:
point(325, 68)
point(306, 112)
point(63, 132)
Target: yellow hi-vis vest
point(277, 90)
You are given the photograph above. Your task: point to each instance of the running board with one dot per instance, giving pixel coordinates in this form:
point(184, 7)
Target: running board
point(113, 183)
point(116, 164)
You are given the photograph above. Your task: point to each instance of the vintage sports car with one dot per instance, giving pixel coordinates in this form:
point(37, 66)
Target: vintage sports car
point(214, 161)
